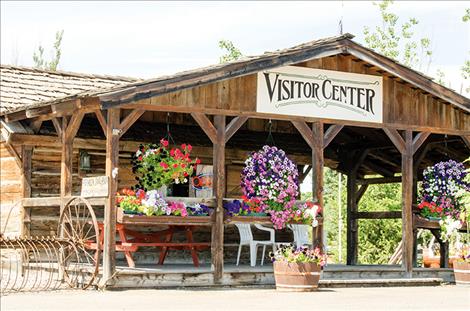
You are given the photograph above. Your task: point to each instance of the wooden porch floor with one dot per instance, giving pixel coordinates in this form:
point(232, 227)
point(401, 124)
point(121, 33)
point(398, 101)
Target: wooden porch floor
point(182, 275)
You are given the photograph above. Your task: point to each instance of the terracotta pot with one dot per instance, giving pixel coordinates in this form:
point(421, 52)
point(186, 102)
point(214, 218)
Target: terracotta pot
point(462, 272)
point(296, 277)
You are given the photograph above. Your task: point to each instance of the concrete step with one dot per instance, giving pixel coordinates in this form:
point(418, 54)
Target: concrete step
point(332, 283)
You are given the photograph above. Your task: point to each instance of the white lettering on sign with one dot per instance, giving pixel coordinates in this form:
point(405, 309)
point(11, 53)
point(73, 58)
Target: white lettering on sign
point(319, 93)
point(93, 187)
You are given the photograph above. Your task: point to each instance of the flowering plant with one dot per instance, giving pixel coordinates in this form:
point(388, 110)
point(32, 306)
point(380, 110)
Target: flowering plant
point(307, 213)
point(299, 255)
point(152, 203)
point(442, 186)
point(157, 166)
point(242, 208)
point(272, 178)
point(464, 253)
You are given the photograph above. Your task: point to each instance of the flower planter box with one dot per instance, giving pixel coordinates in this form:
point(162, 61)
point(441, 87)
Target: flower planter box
point(133, 219)
point(296, 277)
point(262, 220)
point(462, 272)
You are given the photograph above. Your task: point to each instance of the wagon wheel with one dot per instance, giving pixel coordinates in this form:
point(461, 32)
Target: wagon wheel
point(79, 259)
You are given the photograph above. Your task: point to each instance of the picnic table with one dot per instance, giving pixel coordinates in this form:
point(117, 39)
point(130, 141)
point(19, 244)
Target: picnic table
point(130, 240)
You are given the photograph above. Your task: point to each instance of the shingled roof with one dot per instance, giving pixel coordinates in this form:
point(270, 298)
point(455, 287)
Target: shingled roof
point(25, 87)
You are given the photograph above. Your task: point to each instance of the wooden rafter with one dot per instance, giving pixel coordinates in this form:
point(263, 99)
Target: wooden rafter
point(234, 126)
point(305, 131)
point(466, 140)
point(331, 133)
point(101, 120)
point(396, 138)
point(419, 140)
point(57, 126)
point(129, 120)
point(206, 125)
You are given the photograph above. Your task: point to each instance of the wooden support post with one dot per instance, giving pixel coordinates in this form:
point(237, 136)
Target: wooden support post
point(112, 166)
point(466, 140)
point(407, 147)
point(318, 141)
point(352, 233)
point(68, 130)
point(26, 158)
point(217, 244)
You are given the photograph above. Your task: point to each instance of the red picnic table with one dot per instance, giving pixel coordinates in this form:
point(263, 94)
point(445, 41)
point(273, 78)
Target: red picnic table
point(130, 240)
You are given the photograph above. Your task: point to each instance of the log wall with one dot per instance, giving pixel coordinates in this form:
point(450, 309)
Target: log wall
point(11, 192)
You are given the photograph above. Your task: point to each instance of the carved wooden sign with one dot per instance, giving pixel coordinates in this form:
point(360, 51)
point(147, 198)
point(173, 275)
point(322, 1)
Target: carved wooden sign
point(95, 187)
point(309, 92)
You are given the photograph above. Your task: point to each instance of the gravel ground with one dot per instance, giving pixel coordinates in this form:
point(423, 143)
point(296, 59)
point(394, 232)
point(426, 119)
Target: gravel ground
point(444, 298)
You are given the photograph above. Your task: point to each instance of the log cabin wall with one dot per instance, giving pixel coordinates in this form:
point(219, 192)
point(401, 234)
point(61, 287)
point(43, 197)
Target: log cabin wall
point(404, 104)
point(11, 192)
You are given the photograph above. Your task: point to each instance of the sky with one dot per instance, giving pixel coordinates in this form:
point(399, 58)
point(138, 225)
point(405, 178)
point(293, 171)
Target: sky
point(149, 39)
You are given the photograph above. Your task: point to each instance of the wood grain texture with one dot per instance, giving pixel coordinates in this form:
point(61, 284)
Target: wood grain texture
point(407, 196)
point(206, 125)
point(112, 166)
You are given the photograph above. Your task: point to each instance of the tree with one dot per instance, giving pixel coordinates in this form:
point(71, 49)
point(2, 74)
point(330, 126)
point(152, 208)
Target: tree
point(398, 41)
point(231, 52)
point(39, 58)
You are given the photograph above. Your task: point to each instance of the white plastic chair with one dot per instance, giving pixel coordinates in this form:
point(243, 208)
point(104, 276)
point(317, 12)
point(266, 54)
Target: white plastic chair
point(301, 235)
point(246, 238)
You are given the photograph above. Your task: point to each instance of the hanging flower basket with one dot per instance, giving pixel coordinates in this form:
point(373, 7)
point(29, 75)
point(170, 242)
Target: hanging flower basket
point(271, 179)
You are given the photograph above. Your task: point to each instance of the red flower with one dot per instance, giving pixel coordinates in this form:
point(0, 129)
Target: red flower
point(185, 174)
point(175, 165)
point(140, 158)
point(164, 165)
point(189, 147)
point(198, 161)
point(183, 165)
point(172, 152)
point(164, 142)
point(183, 146)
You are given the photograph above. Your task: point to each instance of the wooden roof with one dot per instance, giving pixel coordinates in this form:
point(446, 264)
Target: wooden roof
point(24, 87)
point(126, 90)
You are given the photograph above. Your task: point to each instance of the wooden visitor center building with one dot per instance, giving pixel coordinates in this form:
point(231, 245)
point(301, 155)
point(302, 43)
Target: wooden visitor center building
point(329, 102)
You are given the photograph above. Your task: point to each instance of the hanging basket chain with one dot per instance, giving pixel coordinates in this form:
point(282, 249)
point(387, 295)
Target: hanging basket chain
point(270, 138)
point(168, 133)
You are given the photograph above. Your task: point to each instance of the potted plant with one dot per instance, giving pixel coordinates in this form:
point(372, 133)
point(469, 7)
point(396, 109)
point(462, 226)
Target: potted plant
point(270, 179)
point(297, 269)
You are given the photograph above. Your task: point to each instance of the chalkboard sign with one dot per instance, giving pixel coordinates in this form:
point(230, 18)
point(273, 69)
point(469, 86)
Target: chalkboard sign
point(95, 187)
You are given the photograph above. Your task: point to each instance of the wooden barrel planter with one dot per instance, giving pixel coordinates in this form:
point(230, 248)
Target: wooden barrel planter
point(296, 277)
point(462, 272)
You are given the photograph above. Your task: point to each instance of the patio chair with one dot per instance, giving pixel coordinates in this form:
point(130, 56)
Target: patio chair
point(301, 235)
point(246, 238)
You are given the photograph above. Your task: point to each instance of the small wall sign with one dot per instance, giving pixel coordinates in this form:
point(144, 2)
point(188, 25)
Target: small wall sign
point(94, 187)
point(309, 92)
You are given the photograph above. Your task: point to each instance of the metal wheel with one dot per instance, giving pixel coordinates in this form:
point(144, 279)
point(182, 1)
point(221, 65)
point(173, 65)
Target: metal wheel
point(80, 259)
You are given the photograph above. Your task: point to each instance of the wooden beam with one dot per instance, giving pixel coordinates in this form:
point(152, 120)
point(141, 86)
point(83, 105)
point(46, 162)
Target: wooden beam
point(102, 120)
point(317, 176)
point(331, 133)
point(362, 190)
point(112, 166)
point(466, 140)
point(304, 173)
point(407, 200)
point(129, 120)
point(378, 169)
point(306, 132)
point(352, 224)
point(35, 125)
point(73, 125)
point(419, 140)
point(396, 139)
point(206, 126)
point(378, 181)
point(217, 244)
point(15, 154)
point(234, 126)
point(57, 126)
point(378, 215)
point(27, 154)
point(66, 161)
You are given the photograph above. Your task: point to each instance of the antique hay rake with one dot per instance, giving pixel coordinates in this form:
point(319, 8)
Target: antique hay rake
point(70, 259)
